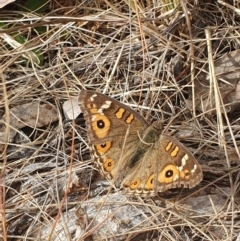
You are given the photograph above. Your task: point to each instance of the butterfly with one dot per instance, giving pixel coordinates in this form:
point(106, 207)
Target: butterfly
point(135, 155)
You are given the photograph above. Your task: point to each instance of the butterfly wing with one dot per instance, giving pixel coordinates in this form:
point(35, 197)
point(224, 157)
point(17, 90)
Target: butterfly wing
point(165, 164)
point(113, 130)
point(177, 167)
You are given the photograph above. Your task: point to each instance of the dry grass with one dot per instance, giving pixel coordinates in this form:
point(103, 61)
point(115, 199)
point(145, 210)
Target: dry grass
point(150, 59)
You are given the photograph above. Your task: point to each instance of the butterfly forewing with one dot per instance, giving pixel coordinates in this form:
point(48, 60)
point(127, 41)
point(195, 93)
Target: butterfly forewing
point(178, 166)
point(112, 130)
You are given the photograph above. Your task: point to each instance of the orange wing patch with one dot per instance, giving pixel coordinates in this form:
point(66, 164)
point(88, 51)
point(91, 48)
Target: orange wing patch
point(100, 125)
point(133, 185)
point(108, 165)
point(129, 119)
point(175, 151)
point(149, 183)
point(169, 174)
point(103, 148)
point(119, 113)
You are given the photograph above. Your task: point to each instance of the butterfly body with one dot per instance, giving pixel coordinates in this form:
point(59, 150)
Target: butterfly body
point(133, 154)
